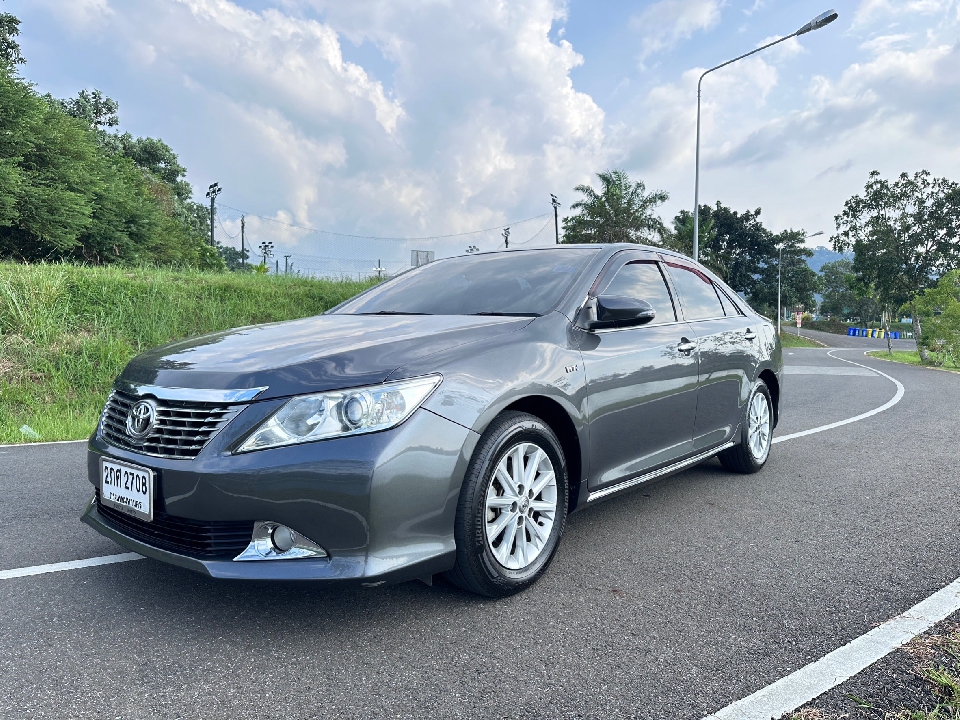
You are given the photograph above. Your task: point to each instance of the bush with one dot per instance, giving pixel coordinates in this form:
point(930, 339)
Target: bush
point(939, 310)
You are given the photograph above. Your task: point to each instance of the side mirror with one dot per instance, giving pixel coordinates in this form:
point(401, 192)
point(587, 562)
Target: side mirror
point(608, 311)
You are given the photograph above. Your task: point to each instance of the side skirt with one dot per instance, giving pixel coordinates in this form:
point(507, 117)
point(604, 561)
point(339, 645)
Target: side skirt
point(640, 479)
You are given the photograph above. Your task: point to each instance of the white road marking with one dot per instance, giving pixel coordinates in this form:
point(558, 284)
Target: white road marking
point(813, 680)
point(826, 370)
point(886, 406)
point(48, 442)
point(70, 565)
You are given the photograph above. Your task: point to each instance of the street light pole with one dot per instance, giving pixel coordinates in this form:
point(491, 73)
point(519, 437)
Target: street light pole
point(212, 193)
point(818, 22)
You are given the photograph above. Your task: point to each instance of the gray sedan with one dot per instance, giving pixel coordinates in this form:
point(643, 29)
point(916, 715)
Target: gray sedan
point(446, 421)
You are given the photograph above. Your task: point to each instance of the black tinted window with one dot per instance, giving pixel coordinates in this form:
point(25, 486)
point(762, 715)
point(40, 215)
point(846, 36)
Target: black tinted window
point(728, 306)
point(697, 294)
point(523, 283)
point(643, 281)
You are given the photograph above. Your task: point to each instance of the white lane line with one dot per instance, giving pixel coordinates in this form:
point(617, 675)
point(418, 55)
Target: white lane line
point(48, 442)
point(809, 682)
point(886, 406)
point(71, 565)
point(826, 370)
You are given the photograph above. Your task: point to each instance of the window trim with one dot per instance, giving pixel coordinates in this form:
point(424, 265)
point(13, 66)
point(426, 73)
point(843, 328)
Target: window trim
point(703, 276)
point(670, 294)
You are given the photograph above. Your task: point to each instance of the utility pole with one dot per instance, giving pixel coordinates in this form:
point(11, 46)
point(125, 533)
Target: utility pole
point(286, 264)
point(212, 193)
point(243, 251)
point(556, 221)
point(506, 238)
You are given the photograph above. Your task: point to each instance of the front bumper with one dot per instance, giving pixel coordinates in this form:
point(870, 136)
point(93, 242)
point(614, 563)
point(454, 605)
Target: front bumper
point(382, 505)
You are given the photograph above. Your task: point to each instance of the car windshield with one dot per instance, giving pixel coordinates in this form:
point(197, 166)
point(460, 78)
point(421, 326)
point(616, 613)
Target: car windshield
point(507, 283)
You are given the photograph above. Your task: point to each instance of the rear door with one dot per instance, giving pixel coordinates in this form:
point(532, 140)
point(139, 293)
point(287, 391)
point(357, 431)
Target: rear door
point(727, 345)
point(641, 382)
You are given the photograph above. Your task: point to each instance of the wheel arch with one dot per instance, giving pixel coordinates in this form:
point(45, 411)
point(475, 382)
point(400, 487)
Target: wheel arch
point(557, 418)
point(770, 379)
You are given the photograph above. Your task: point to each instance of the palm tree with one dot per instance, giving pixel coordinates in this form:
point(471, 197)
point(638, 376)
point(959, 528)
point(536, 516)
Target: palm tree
point(621, 212)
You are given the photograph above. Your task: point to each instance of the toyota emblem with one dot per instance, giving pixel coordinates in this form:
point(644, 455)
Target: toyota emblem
point(141, 418)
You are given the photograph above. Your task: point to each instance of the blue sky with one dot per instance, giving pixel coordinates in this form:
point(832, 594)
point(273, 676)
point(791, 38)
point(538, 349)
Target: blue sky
point(415, 117)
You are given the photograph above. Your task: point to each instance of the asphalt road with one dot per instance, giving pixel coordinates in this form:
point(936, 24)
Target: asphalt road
point(670, 601)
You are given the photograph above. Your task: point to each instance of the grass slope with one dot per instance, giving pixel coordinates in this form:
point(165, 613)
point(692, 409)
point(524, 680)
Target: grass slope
point(67, 331)
point(790, 340)
point(910, 357)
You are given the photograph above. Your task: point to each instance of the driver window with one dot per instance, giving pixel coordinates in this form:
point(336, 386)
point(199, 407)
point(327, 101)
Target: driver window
point(644, 281)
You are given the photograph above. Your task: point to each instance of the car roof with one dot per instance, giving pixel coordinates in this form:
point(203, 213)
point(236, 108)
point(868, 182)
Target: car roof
point(609, 248)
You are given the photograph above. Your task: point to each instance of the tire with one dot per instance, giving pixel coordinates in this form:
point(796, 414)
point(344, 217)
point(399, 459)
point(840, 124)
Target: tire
point(746, 456)
point(496, 556)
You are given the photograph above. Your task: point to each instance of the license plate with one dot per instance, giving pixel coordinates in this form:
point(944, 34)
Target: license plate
point(126, 487)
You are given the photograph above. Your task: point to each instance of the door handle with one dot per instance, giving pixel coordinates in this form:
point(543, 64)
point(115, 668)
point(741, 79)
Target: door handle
point(750, 335)
point(686, 347)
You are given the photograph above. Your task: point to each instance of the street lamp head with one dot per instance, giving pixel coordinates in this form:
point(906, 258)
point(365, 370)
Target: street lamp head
point(818, 232)
point(818, 22)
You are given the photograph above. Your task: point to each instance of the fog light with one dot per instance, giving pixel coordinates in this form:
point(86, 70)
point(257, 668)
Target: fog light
point(282, 538)
point(273, 541)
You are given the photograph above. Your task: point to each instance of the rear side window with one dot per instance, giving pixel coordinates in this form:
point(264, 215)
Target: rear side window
point(644, 281)
point(699, 297)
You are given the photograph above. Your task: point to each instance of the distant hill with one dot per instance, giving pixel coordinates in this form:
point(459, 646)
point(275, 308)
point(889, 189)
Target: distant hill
point(823, 255)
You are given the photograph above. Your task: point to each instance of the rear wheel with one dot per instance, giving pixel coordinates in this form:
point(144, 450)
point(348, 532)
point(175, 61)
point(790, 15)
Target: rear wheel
point(750, 454)
point(512, 509)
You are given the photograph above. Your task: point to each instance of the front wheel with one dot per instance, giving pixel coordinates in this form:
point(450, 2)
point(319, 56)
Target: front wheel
point(512, 509)
point(750, 454)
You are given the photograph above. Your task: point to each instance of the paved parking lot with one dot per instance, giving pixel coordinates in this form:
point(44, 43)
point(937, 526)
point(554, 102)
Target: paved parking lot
point(670, 601)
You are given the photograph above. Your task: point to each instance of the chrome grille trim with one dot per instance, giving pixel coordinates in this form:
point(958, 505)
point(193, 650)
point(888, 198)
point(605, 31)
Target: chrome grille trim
point(182, 428)
point(189, 395)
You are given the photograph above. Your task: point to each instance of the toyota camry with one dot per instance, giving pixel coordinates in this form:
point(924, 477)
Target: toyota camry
point(446, 421)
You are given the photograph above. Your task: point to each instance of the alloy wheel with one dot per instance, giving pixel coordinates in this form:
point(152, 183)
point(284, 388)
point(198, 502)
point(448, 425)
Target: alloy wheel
point(521, 506)
point(758, 432)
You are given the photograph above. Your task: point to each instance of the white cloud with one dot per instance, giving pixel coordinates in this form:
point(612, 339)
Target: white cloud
point(664, 24)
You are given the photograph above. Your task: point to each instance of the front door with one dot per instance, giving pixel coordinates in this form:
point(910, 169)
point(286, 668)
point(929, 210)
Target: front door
point(641, 381)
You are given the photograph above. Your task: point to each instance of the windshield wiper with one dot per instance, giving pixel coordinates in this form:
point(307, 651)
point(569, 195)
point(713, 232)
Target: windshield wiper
point(393, 312)
point(507, 314)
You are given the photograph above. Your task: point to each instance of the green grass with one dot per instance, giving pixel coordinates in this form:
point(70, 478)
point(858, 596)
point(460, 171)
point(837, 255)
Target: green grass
point(67, 331)
point(790, 340)
point(911, 357)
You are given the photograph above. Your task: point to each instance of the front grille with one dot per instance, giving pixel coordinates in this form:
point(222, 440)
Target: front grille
point(182, 428)
point(213, 540)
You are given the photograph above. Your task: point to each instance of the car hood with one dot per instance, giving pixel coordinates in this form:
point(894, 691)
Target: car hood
point(314, 354)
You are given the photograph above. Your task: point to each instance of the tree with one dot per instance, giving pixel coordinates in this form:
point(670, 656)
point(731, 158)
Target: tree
point(623, 211)
point(798, 281)
point(940, 308)
point(9, 47)
point(234, 259)
point(905, 234)
point(96, 109)
point(681, 238)
point(844, 296)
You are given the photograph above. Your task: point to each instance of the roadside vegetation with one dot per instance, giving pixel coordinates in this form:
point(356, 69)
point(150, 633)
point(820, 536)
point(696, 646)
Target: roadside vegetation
point(67, 331)
point(911, 358)
point(791, 340)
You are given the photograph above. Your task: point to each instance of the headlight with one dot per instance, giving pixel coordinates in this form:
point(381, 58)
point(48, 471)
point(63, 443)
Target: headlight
point(343, 412)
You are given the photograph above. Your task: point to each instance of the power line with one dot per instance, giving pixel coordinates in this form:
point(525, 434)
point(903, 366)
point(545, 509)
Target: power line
point(375, 237)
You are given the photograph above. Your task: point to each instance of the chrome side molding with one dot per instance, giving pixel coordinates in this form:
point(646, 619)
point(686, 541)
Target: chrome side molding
point(190, 394)
point(640, 479)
